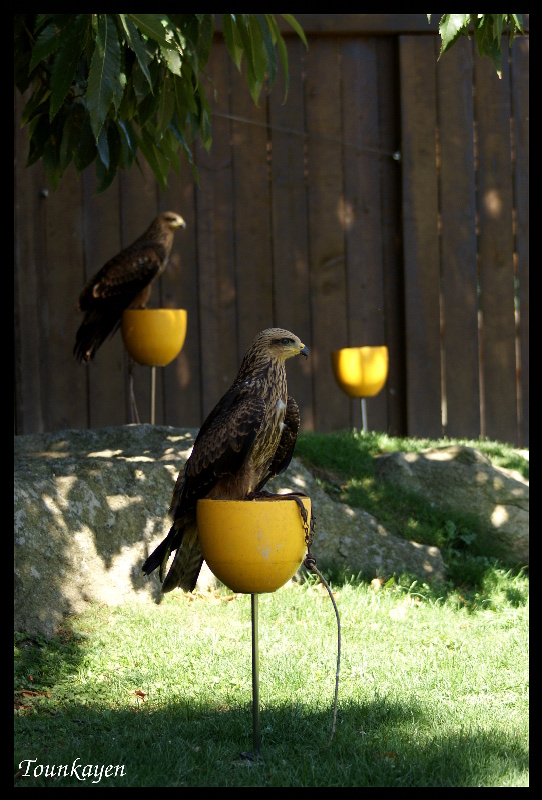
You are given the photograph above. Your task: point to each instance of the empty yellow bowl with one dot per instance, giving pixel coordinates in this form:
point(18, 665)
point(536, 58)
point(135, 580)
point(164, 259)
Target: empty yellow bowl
point(360, 371)
point(252, 546)
point(154, 336)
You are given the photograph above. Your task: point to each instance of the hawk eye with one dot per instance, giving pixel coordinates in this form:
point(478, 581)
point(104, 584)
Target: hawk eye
point(286, 341)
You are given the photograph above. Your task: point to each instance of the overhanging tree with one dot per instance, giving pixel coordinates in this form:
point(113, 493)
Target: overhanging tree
point(110, 88)
point(486, 28)
point(115, 88)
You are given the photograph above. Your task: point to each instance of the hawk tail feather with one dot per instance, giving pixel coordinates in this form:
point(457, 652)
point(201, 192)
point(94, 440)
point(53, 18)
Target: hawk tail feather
point(187, 563)
point(92, 333)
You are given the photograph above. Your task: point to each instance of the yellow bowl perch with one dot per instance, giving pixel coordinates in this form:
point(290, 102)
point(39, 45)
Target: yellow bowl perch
point(252, 546)
point(154, 336)
point(360, 371)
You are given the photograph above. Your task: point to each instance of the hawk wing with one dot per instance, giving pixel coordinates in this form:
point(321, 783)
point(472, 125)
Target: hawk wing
point(222, 445)
point(285, 450)
point(124, 277)
point(221, 448)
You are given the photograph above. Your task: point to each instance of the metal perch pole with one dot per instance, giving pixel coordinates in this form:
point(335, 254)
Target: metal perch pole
point(256, 739)
point(364, 414)
point(153, 393)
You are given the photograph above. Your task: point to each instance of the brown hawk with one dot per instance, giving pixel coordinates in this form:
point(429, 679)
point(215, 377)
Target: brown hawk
point(124, 282)
point(248, 438)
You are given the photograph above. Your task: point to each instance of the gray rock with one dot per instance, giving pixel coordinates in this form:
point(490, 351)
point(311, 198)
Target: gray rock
point(462, 477)
point(352, 539)
point(90, 505)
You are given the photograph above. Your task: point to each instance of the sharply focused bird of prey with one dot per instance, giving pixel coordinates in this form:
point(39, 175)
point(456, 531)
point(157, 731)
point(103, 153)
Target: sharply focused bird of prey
point(248, 438)
point(124, 282)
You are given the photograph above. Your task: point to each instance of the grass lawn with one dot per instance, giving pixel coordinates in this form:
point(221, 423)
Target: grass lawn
point(433, 684)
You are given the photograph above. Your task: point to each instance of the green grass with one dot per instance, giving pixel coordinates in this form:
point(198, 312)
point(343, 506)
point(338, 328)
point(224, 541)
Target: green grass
point(431, 693)
point(433, 684)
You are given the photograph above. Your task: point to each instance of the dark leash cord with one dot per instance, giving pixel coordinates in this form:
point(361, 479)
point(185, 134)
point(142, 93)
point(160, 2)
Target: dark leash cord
point(310, 564)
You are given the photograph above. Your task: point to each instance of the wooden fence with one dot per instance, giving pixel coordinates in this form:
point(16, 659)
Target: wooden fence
point(385, 202)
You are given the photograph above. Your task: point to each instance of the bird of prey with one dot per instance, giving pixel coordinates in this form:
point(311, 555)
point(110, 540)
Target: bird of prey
point(124, 282)
point(248, 438)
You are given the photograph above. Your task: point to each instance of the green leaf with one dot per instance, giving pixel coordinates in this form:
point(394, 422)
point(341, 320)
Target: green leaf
point(155, 26)
point(48, 41)
point(140, 84)
point(102, 146)
point(259, 59)
point(233, 42)
point(169, 146)
point(156, 160)
point(41, 20)
point(254, 85)
point(128, 107)
point(147, 108)
point(39, 137)
point(106, 176)
point(166, 106)
point(50, 158)
point(135, 42)
point(269, 47)
point(517, 20)
point(66, 62)
point(487, 44)
point(205, 38)
point(204, 118)
point(35, 104)
point(273, 27)
point(71, 134)
point(291, 20)
point(172, 59)
point(451, 27)
point(498, 23)
point(104, 73)
point(86, 152)
point(128, 142)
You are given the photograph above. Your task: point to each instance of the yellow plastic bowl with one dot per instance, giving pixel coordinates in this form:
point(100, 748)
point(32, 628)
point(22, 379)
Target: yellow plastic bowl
point(360, 371)
point(252, 546)
point(154, 336)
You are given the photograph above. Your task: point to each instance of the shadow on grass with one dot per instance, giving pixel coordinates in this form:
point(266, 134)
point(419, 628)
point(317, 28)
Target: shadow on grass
point(377, 742)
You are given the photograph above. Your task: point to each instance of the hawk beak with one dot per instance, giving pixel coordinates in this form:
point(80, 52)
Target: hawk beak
point(304, 350)
point(181, 223)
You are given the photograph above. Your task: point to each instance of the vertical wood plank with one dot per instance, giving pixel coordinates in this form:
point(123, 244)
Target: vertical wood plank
point(30, 287)
point(291, 278)
point(252, 213)
point(420, 229)
point(495, 247)
point(102, 240)
point(362, 210)
point(181, 379)
point(215, 242)
point(64, 261)
point(391, 229)
point(139, 206)
point(326, 236)
point(520, 110)
point(458, 240)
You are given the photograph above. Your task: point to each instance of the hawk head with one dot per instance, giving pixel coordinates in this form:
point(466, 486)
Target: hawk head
point(172, 220)
point(280, 344)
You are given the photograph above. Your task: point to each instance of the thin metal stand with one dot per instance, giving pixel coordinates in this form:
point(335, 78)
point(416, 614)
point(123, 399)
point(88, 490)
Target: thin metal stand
point(153, 393)
point(256, 738)
point(364, 414)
